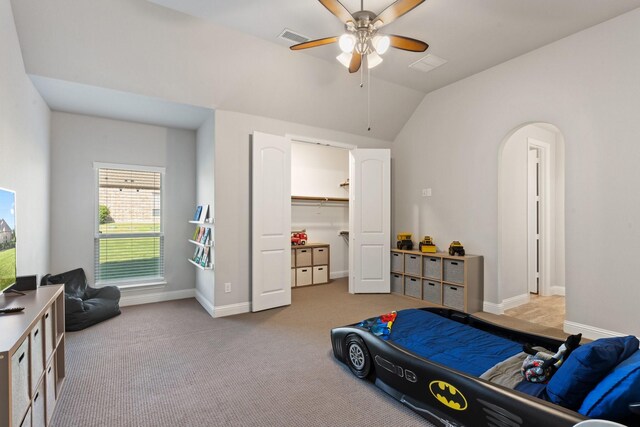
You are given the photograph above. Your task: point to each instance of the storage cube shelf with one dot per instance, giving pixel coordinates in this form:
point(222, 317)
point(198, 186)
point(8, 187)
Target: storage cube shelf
point(439, 278)
point(309, 264)
point(32, 368)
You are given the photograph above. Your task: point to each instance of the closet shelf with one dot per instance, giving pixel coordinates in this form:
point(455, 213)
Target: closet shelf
point(344, 184)
point(319, 199)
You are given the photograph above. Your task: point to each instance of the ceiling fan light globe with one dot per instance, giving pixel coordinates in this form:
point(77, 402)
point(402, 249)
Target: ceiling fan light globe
point(381, 44)
point(344, 59)
point(347, 42)
point(373, 60)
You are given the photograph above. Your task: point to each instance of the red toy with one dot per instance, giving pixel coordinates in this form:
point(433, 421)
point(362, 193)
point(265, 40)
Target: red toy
point(298, 238)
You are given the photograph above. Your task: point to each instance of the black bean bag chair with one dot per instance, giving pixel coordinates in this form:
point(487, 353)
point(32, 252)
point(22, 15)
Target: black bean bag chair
point(84, 306)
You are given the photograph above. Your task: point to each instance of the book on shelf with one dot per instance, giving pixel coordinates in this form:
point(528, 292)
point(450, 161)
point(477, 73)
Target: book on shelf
point(200, 234)
point(204, 213)
point(195, 253)
point(199, 255)
point(205, 237)
point(205, 257)
point(196, 233)
point(196, 216)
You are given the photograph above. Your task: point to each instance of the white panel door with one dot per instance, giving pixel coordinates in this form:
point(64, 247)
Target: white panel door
point(271, 222)
point(369, 220)
point(533, 221)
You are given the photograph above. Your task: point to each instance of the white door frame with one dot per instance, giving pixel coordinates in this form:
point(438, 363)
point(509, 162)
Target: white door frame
point(544, 157)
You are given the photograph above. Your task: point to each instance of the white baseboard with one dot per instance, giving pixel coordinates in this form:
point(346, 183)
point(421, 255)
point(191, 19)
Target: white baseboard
point(339, 274)
point(557, 290)
point(151, 297)
point(205, 303)
point(506, 304)
point(588, 331)
point(231, 309)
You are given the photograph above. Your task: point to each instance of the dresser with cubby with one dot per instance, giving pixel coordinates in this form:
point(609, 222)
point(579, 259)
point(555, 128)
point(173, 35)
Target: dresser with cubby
point(448, 280)
point(32, 368)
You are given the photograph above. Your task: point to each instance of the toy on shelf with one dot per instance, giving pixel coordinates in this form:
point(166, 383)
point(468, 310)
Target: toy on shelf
point(456, 248)
point(298, 238)
point(404, 241)
point(427, 245)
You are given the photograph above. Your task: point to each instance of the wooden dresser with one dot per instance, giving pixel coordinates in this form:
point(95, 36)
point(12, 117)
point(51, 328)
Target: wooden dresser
point(31, 357)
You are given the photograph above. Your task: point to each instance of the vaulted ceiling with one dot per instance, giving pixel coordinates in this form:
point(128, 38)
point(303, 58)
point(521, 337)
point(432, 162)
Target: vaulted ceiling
point(226, 54)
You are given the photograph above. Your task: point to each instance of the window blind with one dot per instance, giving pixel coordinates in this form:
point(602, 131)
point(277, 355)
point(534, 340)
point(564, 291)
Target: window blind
point(129, 243)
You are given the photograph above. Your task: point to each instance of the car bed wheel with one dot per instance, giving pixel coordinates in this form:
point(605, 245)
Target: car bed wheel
point(358, 358)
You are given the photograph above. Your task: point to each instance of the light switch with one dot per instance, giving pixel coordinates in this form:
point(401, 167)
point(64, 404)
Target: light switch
point(426, 192)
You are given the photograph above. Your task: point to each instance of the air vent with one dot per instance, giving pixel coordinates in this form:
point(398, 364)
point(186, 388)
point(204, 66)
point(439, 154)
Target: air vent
point(428, 63)
point(292, 37)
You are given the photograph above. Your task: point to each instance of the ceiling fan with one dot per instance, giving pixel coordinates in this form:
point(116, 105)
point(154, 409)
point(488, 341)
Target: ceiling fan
point(362, 39)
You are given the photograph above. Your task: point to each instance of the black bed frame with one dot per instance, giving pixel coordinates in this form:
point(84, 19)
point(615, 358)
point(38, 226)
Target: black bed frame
point(464, 400)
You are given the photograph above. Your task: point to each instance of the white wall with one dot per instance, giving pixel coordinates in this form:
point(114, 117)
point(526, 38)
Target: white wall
point(24, 151)
point(78, 141)
point(513, 235)
point(318, 170)
point(587, 86)
point(205, 194)
point(232, 229)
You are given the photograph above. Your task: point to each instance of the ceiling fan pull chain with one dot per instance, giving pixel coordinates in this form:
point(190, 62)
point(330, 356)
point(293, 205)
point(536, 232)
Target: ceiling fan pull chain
point(362, 76)
point(368, 96)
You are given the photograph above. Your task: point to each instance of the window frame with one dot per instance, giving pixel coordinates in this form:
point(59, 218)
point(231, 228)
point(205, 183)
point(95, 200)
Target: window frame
point(128, 282)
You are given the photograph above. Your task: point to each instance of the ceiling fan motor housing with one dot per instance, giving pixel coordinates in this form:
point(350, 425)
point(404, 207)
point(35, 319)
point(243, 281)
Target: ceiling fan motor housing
point(363, 30)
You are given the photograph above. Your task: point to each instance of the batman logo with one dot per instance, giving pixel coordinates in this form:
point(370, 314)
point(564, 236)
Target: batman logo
point(448, 395)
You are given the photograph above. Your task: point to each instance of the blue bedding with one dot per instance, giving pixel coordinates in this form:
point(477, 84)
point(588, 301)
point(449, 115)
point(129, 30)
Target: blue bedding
point(450, 343)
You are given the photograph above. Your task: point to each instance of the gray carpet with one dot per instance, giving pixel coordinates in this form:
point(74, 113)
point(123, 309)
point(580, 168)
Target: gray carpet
point(171, 364)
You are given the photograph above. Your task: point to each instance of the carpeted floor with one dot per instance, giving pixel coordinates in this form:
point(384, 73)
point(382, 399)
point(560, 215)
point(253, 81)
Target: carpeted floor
point(171, 364)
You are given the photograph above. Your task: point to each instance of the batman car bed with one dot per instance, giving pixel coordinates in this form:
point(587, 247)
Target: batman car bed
point(455, 369)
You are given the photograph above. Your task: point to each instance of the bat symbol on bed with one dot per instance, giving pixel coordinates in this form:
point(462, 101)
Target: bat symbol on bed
point(448, 395)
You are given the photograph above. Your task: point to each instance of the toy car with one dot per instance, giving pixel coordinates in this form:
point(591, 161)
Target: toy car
point(456, 248)
point(404, 241)
point(427, 245)
point(298, 238)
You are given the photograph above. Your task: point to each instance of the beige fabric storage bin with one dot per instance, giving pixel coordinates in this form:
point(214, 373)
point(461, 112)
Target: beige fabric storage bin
point(396, 283)
point(293, 277)
point(49, 335)
point(293, 258)
point(432, 267)
point(20, 383)
point(303, 257)
point(37, 353)
point(397, 262)
point(50, 383)
point(320, 256)
point(412, 264)
point(304, 276)
point(453, 296)
point(38, 411)
point(453, 271)
point(320, 274)
point(432, 291)
point(412, 287)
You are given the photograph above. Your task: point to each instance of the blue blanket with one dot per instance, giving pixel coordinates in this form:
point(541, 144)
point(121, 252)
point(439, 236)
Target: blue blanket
point(450, 343)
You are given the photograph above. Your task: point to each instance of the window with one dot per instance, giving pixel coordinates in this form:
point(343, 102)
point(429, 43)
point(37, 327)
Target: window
point(129, 240)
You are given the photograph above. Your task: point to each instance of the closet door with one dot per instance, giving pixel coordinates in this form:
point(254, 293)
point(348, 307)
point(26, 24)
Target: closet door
point(369, 220)
point(271, 221)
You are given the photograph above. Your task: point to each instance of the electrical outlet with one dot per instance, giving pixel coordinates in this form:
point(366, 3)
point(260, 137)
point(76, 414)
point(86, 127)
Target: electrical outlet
point(227, 287)
point(424, 192)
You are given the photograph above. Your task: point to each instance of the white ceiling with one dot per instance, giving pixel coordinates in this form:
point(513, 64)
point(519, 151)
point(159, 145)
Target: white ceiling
point(472, 35)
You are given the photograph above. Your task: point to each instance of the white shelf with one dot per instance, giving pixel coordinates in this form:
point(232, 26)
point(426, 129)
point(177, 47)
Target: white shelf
point(210, 221)
point(208, 267)
point(210, 245)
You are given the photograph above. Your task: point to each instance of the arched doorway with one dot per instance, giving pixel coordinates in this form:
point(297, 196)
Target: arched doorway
point(531, 266)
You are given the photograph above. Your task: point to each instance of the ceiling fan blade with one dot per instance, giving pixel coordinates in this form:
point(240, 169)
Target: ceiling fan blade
point(406, 43)
point(335, 7)
point(356, 62)
point(314, 43)
point(395, 11)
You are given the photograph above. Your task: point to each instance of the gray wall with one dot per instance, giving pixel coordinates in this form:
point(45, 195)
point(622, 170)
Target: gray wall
point(205, 279)
point(232, 214)
point(78, 141)
point(24, 151)
point(586, 85)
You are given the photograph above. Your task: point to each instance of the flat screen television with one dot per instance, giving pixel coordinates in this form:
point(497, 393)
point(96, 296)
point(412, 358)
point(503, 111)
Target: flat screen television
point(7, 239)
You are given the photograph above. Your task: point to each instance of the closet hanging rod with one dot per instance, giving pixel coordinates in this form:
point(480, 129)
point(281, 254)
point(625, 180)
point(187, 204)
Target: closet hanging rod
point(319, 199)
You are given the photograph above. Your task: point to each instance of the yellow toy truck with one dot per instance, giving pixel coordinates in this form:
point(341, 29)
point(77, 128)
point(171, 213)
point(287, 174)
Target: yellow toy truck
point(427, 245)
point(456, 248)
point(404, 241)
